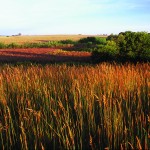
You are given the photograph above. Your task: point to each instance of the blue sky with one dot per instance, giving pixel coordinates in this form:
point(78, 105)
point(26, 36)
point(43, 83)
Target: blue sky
point(35, 17)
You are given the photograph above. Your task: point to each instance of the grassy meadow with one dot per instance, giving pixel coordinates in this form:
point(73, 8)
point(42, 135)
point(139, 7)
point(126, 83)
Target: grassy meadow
point(104, 106)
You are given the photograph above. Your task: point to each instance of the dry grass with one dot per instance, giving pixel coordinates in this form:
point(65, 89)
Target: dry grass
point(39, 38)
point(79, 107)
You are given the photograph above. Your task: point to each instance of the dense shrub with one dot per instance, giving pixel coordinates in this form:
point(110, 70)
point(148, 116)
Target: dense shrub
point(134, 45)
point(67, 41)
point(112, 38)
point(105, 53)
point(89, 44)
point(93, 40)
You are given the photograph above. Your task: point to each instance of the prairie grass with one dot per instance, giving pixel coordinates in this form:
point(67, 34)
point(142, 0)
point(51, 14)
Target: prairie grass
point(75, 107)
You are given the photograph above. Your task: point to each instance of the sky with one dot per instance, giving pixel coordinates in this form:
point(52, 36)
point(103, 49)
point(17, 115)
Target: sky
point(47, 17)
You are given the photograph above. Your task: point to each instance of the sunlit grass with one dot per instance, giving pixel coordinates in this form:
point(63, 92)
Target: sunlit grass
point(75, 107)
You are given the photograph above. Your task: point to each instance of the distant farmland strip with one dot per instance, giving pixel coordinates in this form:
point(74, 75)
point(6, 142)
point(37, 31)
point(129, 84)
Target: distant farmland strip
point(39, 38)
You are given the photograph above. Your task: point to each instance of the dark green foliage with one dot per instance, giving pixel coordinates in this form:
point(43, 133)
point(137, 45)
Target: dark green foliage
point(134, 45)
point(112, 38)
point(93, 40)
point(67, 41)
point(89, 44)
point(2, 45)
point(105, 53)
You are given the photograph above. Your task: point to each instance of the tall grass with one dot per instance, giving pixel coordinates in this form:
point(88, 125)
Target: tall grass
point(75, 107)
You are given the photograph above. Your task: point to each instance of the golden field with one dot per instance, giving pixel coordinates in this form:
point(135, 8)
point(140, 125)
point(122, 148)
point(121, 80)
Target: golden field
point(39, 38)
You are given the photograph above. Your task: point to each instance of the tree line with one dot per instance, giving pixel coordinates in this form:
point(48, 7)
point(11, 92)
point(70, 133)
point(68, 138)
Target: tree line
point(126, 46)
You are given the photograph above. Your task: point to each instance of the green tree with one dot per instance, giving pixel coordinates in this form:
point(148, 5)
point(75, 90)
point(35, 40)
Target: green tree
point(134, 45)
point(112, 37)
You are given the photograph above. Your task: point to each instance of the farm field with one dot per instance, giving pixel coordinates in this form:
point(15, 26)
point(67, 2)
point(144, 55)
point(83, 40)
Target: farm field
point(40, 38)
point(104, 106)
